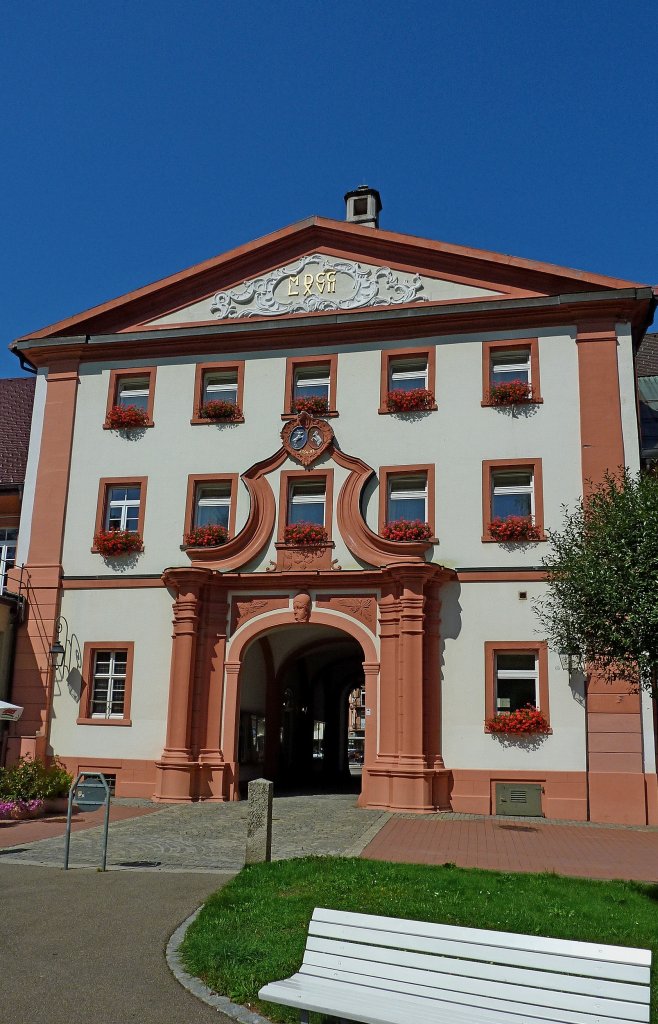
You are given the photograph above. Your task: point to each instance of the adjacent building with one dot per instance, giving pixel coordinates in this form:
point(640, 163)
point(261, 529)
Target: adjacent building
point(330, 456)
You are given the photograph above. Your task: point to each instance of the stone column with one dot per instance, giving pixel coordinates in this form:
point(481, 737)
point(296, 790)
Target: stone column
point(371, 673)
point(231, 726)
point(176, 768)
point(211, 758)
point(432, 697)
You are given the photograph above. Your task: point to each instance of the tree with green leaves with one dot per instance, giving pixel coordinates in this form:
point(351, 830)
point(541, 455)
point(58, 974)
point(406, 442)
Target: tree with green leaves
point(602, 600)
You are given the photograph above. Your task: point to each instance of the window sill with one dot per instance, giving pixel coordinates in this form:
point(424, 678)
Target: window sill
point(118, 554)
point(121, 430)
point(531, 735)
point(103, 721)
point(331, 414)
point(510, 405)
point(494, 540)
point(204, 421)
point(383, 411)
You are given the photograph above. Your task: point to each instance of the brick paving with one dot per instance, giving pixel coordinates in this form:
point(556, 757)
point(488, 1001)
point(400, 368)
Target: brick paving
point(530, 845)
point(210, 837)
point(18, 833)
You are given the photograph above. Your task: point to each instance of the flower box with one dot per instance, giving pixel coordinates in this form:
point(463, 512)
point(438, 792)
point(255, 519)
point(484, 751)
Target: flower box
point(407, 529)
point(513, 392)
point(513, 529)
point(415, 400)
point(206, 536)
point(305, 534)
point(126, 417)
point(525, 720)
point(117, 542)
point(220, 410)
point(313, 406)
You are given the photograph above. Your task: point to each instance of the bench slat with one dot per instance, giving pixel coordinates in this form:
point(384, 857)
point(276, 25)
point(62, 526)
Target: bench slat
point(509, 940)
point(472, 960)
point(470, 991)
point(365, 1005)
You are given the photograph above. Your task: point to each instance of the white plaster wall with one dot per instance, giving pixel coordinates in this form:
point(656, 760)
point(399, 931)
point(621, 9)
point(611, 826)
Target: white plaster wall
point(27, 505)
point(629, 423)
point(458, 437)
point(473, 613)
point(140, 615)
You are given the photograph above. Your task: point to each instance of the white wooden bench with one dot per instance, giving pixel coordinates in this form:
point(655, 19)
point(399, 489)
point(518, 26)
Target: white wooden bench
point(383, 970)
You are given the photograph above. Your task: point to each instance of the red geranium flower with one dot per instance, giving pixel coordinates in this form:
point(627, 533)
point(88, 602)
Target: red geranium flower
point(206, 536)
point(126, 417)
point(513, 528)
point(219, 409)
point(524, 720)
point(415, 400)
point(511, 392)
point(314, 406)
point(407, 529)
point(305, 534)
point(117, 542)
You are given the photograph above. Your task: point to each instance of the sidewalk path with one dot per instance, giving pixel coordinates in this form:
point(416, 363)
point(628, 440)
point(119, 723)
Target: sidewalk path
point(588, 850)
point(83, 947)
point(17, 833)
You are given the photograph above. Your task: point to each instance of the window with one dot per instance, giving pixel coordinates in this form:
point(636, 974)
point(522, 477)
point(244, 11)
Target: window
point(212, 505)
point(516, 681)
point(407, 370)
point(306, 502)
point(107, 669)
point(407, 497)
point(516, 674)
point(504, 362)
point(313, 377)
point(8, 538)
point(218, 382)
point(121, 504)
point(132, 388)
point(512, 489)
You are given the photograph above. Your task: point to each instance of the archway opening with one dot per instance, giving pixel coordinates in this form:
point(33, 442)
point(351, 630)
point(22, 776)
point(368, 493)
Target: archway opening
point(302, 710)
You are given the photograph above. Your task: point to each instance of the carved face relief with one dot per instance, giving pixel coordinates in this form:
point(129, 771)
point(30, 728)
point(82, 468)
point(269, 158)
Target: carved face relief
point(301, 607)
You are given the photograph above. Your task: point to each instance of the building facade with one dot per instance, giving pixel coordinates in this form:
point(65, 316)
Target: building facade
point(332, 455)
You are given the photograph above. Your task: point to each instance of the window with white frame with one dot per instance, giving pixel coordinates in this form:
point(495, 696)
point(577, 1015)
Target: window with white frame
point(122, 507)
point(509, 366)
point(516, 681)
point(8, 537)
point(212, 505)
point(311, 382)
point(108, 693)
point(407, 497)
point(512, 493)
point(220, 386)
point(407, 374)
point(306, 502)
point(133, 391)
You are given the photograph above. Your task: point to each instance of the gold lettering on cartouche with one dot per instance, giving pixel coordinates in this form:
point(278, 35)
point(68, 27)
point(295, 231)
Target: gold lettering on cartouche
point(331, 281)
point(293, 281)
point(324, 280)
point(308, 284)
point(319, 280)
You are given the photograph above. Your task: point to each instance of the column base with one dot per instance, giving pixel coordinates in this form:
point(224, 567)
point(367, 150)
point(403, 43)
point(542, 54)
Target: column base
point(617, 797)
point(212, 777)
point(397, 787)
point(175, 781)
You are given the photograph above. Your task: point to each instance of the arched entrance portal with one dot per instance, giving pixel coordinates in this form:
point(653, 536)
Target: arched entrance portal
point(299, 721)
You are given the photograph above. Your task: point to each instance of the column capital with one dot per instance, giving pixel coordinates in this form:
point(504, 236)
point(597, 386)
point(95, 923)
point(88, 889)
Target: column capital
point(186, 578)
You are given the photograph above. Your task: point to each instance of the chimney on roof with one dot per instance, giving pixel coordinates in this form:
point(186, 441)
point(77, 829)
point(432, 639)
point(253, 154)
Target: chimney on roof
point(363, 206)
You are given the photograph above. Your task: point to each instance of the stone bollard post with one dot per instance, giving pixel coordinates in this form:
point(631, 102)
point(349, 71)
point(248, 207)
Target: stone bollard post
point(259, 821)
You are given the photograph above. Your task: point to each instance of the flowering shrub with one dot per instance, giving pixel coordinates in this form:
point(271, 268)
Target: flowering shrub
point(20, 808)
point(314, 406)
point(524, 720)
point(513, 528)
point(117, 542)
point(305, 534)
point(126, 417)
point(407, 529)
point(29, 780)
point(415, 400)
point(207, 536)
point(220, 409)
point(511, 392)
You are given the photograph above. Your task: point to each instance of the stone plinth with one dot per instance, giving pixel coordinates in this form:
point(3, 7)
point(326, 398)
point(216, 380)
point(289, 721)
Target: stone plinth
point(259, 821)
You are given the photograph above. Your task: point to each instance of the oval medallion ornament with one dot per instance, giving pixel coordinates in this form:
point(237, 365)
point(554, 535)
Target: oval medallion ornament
point(306, 439)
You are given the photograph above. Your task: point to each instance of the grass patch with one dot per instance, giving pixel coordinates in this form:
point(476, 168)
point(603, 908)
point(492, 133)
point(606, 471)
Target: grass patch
point(254, 930)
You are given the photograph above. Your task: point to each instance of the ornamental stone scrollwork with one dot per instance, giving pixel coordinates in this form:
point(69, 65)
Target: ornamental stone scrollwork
point(363, 608)
point(246, 607)
point(318, 283)
point(306, 439)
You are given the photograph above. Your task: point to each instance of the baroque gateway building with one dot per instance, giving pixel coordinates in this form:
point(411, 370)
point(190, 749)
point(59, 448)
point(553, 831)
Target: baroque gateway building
point(331, 455)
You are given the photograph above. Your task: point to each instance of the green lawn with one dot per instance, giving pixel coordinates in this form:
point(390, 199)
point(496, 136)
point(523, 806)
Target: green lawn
point(254, 930)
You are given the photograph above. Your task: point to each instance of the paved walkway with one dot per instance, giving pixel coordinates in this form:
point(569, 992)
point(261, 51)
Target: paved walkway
point(87, 946)
point(211, 837)
point(17, 833)
point(587, 850)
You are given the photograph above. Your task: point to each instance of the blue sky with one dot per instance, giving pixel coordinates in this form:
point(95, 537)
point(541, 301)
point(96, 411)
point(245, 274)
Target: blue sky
point(140, 138)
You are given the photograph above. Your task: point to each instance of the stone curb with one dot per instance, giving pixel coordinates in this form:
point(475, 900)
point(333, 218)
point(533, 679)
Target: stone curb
point(357, 848)
point(197, 988)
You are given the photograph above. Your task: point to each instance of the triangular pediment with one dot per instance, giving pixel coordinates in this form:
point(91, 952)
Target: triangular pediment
point(320, 266)
point(321, 283)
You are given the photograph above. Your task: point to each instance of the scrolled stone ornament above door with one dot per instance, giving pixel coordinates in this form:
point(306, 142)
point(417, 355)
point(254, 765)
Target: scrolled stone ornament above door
point(306, 439)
